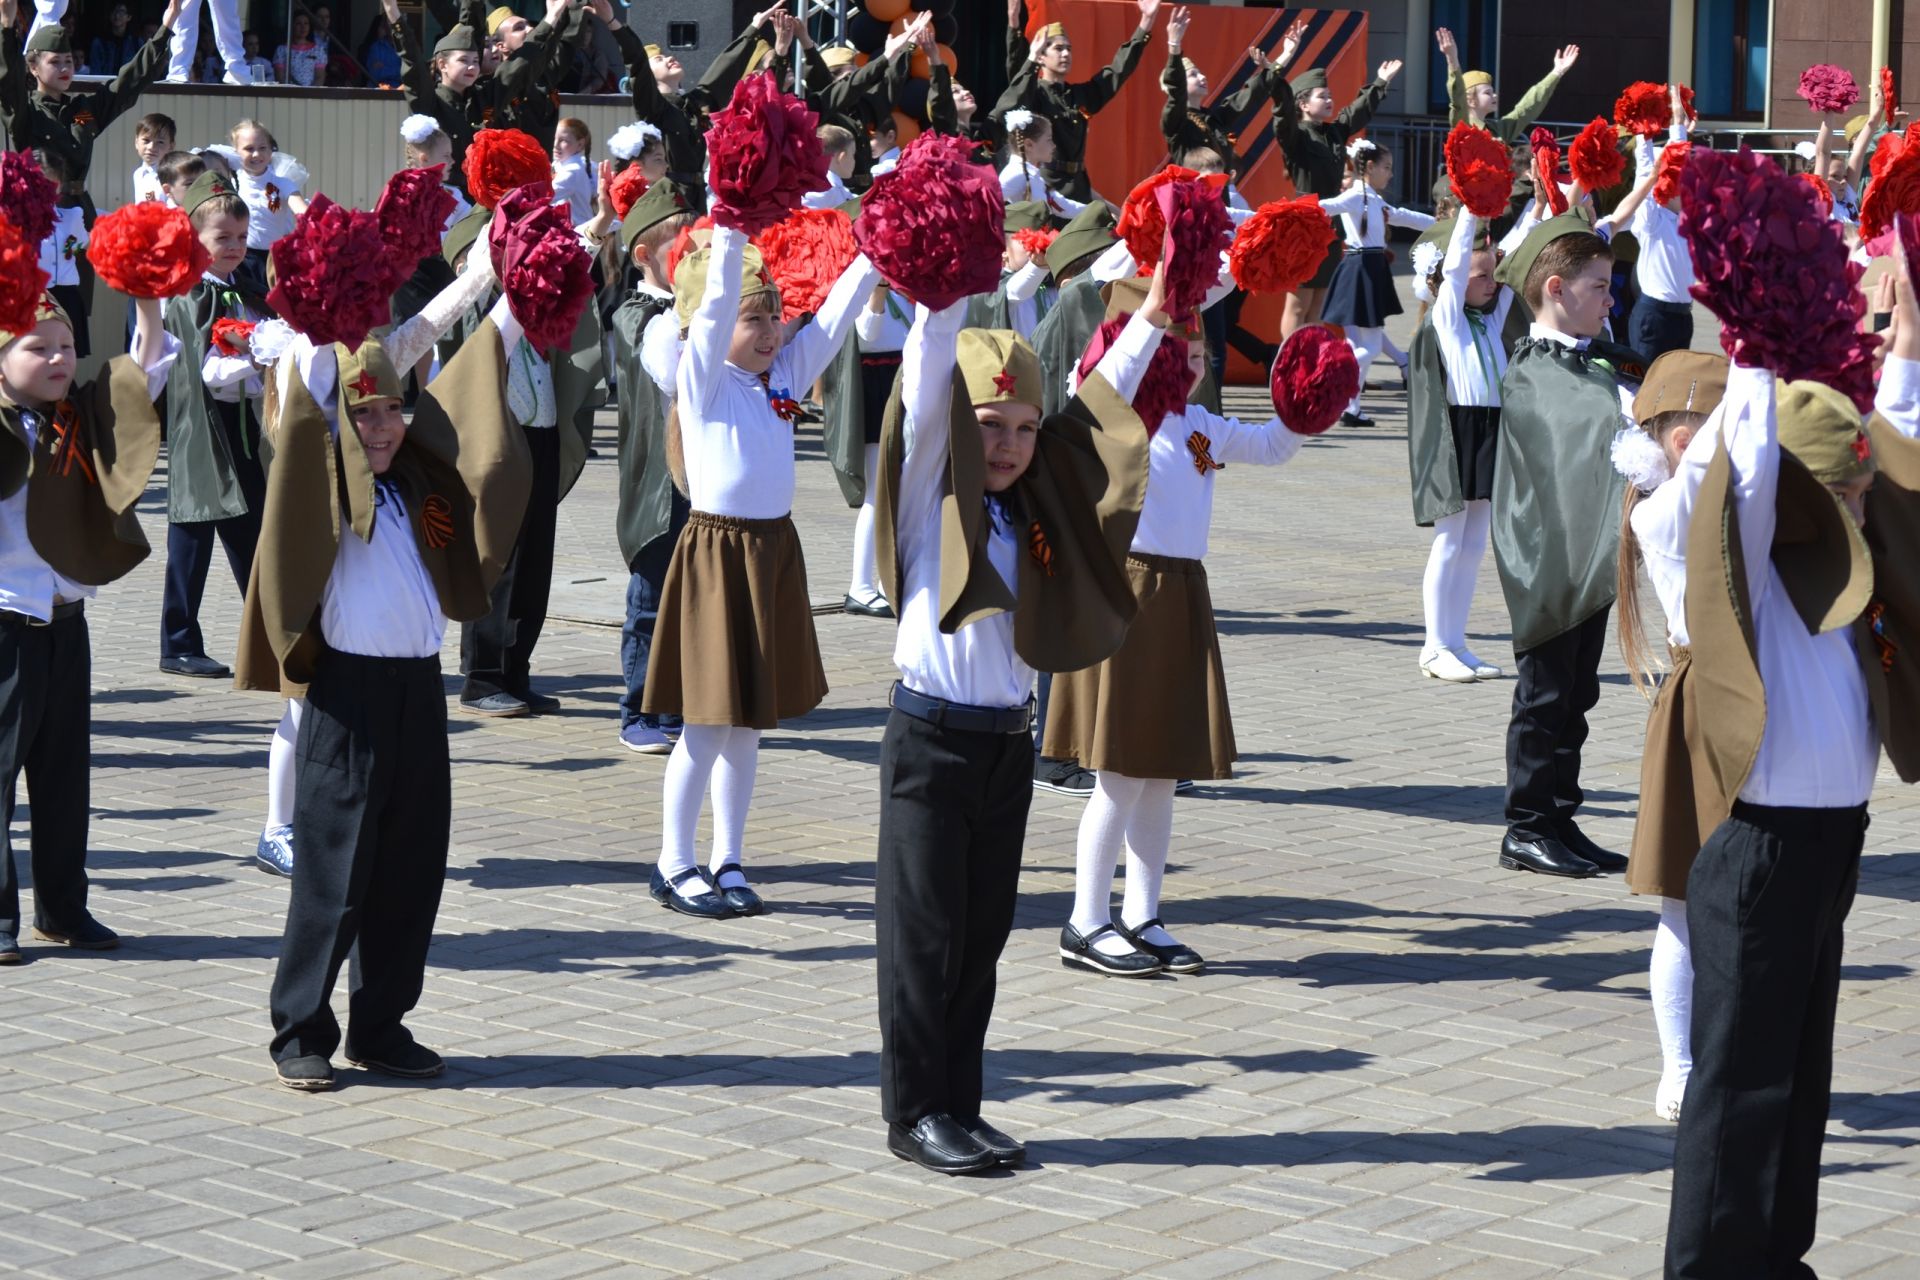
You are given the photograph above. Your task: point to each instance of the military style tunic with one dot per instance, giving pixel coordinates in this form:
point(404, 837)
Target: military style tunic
point(68, 125)
point(1068, 107)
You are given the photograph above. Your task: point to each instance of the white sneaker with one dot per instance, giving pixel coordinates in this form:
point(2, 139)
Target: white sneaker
point(1481, 667)
point(1442, 665)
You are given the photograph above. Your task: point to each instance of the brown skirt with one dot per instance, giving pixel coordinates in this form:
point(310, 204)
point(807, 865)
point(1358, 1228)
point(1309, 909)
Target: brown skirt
point(1158, 707)
point(734, 643)
point(1680, 804)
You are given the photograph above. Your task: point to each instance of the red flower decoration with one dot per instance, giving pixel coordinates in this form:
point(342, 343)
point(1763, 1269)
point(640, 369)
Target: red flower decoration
point(1888, 96)
point(806, 252)
point(762, 155)
point(331, 282)
point(412, 212)
point(1822, 193)
point(1164, 386)
point(499, 160)
point(1195, 206)
point(1890, 148)
point(27, 195)
point(1480, 169)
point(22, 283)
point(1895, 188)
point(1643, 108)
point(232, 337)
point(1280, 247)
point(1546, 169)
point(1595, 158)
point(1035, 240)
point(148, 251)
point(545, 273)
point(1828, 89)
point(935, 226)
point(1673, 159)
point(1315, 377)
point(1775, 272)
point(628, 186)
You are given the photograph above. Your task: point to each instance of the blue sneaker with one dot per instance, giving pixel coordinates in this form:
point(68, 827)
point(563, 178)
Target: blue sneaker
point(274, 853)
point(648, 742)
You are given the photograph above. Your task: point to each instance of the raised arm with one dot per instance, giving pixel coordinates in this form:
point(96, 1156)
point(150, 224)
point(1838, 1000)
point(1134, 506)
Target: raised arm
point(111, 101)
point(943, 115)
point(1450, 296)
point(519, 74)
point(710, 333)
point(15, 83)
point(416, 74)
point(413, 339)
point(1173, 114)
point(1361, 109)
point(1457, 110)
point(809, 352)
point(927, 362)
point(716, 86)
point(1520, 119)
point(1016, 37)
point(1091, 95)
point(1750, 432)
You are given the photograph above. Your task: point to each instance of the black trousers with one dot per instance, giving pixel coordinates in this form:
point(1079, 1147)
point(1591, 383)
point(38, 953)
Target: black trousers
point(190, 546)
point(953, 821)
point(45, 716)
point(1766, 900)
point(496, 652)
point(373, 803)
point(1656, 327)
point(1555, 685)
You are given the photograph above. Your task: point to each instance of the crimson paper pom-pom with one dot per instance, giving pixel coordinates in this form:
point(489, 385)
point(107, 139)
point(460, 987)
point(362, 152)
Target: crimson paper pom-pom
point(694, 235)
point(1315, 377)
point(1195, 214)
point(232, 337)
point(27, 195)
point(412, 212)
point(1546, 169)
point(1480, 168)
point(1890, 147)
point(22, 283)
point(1895, 189)
point(1035, 240)
point(762, 156)
point(1908, 229)
point(628, 186)
point(323, 286)
point(1280, 247)
point(935, 226)
point(807, 251)
point(1666, 181)
point(545, 272)
point(148, 250)
point(1828, 89)
point(1890, 100)
point(1822, 193)
point(1594, 158)
point(1775, 271)
point(1644, 108)
point(1164, 386)
point(1143, 223)
point(498, 160)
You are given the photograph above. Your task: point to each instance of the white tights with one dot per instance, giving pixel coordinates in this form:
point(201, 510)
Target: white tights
point(728, 756)
point(863, 584)
point(1366, 344)
point(1136, 813)
point(281, 754)
point(1453, 567)
point(1670, 979)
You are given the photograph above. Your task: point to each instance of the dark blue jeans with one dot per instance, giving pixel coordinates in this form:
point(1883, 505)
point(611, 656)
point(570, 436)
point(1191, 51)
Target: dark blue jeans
point(649, 579)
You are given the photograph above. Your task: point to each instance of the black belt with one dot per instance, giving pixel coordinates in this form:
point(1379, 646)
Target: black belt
point(61, 612)
point(958, 715)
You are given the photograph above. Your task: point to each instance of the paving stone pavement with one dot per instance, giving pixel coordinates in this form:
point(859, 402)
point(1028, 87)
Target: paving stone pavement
point(1402, 1061)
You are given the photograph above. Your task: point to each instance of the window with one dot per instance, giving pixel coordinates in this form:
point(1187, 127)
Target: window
point(1476, 30)
point(1730, 58)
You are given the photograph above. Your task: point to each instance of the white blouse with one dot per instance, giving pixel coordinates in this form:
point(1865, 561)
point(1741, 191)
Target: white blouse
point(268, 215)
point(1664, 271)
point(1365, 216)
point(1471, 348)
point(1021, 181)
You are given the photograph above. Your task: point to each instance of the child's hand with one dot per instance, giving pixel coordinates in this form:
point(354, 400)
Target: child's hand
point(1177, 23)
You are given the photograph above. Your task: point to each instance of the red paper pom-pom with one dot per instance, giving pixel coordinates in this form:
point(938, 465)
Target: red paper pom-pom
point(1280, 247)
point(935, 226)
point(545, 273)
point(22, 283)
point(499, 160)
point(1166, 383)
point(1035, 240)
point(323, 286)
point(1666, 181)
point(1890, 100)
point(762, 156)
point(628, 186)
point(687, 241)
point(1546, 169)
point(1828, 89)
point(412, 212)
point(27, 195)
point(1887, 150)
point(1595, 157)
point(1822, 193)
point(1644, 108)
point(1480, 169)
point(1908, 229)
point(806, 252)
point(1315, 377)
point(148, 250)
point(1895, 189)
point(1775, 271)
point(232, 337)
point(1200, 225)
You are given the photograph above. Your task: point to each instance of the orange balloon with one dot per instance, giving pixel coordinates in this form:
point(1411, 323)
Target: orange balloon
point(921, 67)
point(889, 10)
point(907, 128)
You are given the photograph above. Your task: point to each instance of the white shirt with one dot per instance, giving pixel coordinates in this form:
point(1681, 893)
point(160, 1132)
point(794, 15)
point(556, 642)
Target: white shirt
point(1020, 181)
point(1023, 306)
point(60, 251)
point(1664, 271)
point(1365, 216)
point(146, 185)
point(28, 584)
point(885, 329)
point(833, 197)
point(268, 215)
point(739, 452)
point(573, 186)
point(1179, 508)
point(380, 601)
point(1474, 356)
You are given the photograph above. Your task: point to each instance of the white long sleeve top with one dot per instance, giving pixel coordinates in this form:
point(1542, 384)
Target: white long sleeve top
point(1020, 181)
point(60, 252)
point(739, 452)
point(1364, 216)
point(268, 215)
point(1664, 271)
point(1471, 349)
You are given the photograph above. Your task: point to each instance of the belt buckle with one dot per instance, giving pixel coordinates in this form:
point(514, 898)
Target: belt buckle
point(37, 622)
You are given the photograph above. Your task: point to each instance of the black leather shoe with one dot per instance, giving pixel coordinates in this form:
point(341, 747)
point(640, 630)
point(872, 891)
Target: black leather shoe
point(409, 1061)
point(1077, 952)
point(9, 949)
point(1007, 1151)
point(938, 1143)
point(88, 935)
point(540, 704)
point(874, 608)
point(1178, 958)
point(197, 665)
point(1355, 420)
point(500, 706)
point(1549, 857)
point(309, 1073)
point(707, 905)
point(743, 900)
point(1581, 846)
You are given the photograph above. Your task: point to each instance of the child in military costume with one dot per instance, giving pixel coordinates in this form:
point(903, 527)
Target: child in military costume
point(1188, 121)
point(73, 462)
point(1023, 300)
point(655, 75)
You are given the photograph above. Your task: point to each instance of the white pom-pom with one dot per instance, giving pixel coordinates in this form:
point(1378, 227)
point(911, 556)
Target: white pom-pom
point(419, 129)
point(1018, 120)
point(269, 340)
point(629, 140)
point(1639, 457)
point(660, 351)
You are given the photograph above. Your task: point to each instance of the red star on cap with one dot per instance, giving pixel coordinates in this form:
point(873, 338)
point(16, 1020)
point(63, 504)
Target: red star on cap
point(366, 386)
point(1003, 382)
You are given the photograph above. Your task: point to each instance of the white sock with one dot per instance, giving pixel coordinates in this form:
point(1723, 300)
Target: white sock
point(688, 769)
point(1365, 344)
point(1103, 830)
point(1670, 978)
point(732, 794)
point(280, 765)
point(1148, 835)
point(1463, 575)
point(865, 582)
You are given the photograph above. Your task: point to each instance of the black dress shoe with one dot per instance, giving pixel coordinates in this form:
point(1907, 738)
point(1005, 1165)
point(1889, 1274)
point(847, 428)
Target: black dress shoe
point(196, 665)
point(1582, 847)
point(1077, 952)
point(874, 608)
point(938, 1143)
point(707, 905)
point(409, 1061)
point(9, 949)
point(1548, 857)
point(87, 934)
point(744, 901)
point(540, 704)
point(309, 1073)
point(1355, 420)
point(1008, 1151)
point(1178, 958)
